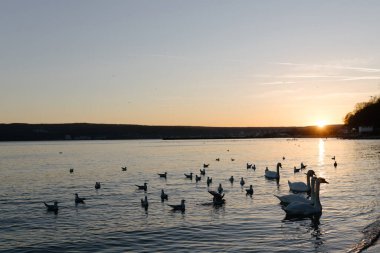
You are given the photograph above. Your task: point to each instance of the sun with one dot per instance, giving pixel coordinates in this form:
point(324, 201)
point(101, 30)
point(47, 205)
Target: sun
point(321, 123)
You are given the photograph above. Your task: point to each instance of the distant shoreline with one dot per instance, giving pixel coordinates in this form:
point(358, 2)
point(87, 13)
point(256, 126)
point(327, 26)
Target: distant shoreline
point(86, 131)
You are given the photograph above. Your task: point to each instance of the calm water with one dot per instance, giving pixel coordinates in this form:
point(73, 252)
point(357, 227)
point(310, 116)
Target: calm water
point(112, 219)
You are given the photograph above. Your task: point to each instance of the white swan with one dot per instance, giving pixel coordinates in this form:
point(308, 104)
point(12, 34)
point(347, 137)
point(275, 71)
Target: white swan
point(305, 209)
point(273, 174)
point(301, 186)
point(287, 199)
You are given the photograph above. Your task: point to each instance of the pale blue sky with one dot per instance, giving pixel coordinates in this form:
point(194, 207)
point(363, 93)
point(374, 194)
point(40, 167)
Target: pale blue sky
point(211, 63)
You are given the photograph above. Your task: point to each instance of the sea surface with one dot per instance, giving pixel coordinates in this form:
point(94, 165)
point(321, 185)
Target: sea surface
point(112, 219)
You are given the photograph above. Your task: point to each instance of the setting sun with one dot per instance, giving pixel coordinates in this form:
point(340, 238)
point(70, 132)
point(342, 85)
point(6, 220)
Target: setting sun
point(321, 123)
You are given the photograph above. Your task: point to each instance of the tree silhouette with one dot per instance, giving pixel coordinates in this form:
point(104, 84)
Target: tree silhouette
point(364, 114)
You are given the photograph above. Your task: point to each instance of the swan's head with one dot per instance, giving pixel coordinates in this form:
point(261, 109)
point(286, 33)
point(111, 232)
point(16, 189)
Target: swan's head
point(321, 180)
point(182, 201)
point(145, 184)
point(310, 173)
point(279, 165)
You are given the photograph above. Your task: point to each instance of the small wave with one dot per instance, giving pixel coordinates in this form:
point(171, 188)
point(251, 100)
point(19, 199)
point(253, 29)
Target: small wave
point(371, 234)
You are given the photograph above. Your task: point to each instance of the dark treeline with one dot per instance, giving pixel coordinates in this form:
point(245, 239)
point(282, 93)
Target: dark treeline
point(84, 131)
point(365, 114)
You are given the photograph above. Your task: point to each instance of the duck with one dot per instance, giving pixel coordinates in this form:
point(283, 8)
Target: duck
point(79, 200)
point(250, 190)
point(209, 181)
point(124, 168)
point(232, 159)
point(296, 170)
point(180, 207)
point(218, 198)
point(190, 176)
point(242, 182)
point(197, 178)
point(254, 167)
point(301, 186)
point(305, 209)
point(220, 188)
point(203, 172)
point(249, 166)
point(287, 199)
point(163, 195)
point(273, 174)
point(231, 179)
point(163, 174)
point(283, 158)
point(333, 157)
point(303, 166)
point(142, 187)
point(97, 185)
point(205, 165)
point(335, 164)
point(52, 208)
point(217, 159)
point(71, 170)
point(145, 203)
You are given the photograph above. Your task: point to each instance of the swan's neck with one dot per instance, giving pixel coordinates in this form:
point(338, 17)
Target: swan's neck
point(317, 203)
point(312, 193)
point(278, 170)
point(308, 181)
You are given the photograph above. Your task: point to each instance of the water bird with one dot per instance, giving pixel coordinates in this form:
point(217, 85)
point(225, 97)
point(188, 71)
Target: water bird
point(287, 199)
point(180, 207)
point(218, 198)
point(296, 170)
point(335, 164)
point(163, 195)
point(145, 203)
point(250, 190)
point(220, 188)
point(203, 172)
point(197, 178)
point(232, 159)
point(249, 166)
point(162, 174)
point(209, 181)
point(71, 170)
point(97, 185)
point(301, 186)
point(273, 174)
point(283, 158)
point(205, 165)
point(52, 208)
point(124, 168)
point(142, 187)
point(303, 166)
point(79, 200)
point(305, 209)
point(231, 179)
point(254, 167)
point(333, 157)
point(217, 159)
point(242, 182)
point(190, 176)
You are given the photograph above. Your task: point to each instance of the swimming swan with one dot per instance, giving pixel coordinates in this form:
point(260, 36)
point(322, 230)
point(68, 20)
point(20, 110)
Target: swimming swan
point(273, 174)
point(305, 209)
point(301, 186)
point(287, 199)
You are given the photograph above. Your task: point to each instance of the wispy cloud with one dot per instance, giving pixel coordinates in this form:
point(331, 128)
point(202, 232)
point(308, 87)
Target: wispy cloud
point(360, 69)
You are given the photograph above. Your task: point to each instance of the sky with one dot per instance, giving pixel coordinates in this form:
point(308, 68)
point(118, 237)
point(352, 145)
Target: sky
point(196, 63)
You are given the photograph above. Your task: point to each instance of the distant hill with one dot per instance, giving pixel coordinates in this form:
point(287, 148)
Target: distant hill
point(85, 131)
